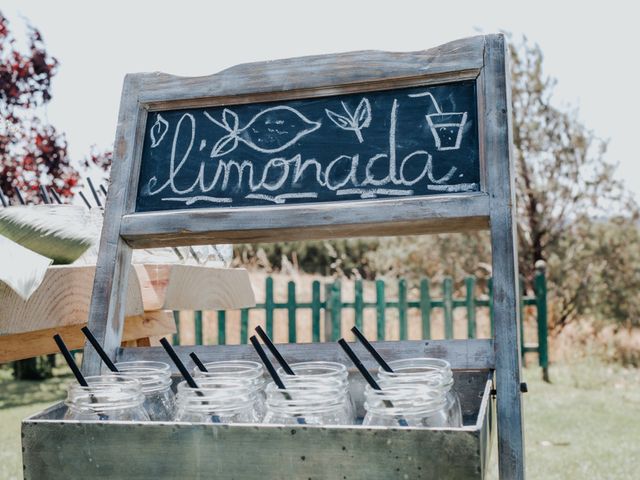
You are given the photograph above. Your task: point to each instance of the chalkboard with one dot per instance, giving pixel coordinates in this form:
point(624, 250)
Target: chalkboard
point(377, 144)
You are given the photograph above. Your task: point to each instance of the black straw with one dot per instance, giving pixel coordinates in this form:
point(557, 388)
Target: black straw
point(19, 195)
point(178, 363)
point(94, 192)
point(103, 190)
point(84, 199)
point(69, 359)
point(76, 371)
point(274, 351)
point(374, 353)
point(267, 362)
point(44, 195)
point(198, 362)
point(55, 195)
point(3, 199)
point(272, 371)
point(195, 255)
point(356, 361)
point(103, 355)
point(184, 372)
point(367, 376)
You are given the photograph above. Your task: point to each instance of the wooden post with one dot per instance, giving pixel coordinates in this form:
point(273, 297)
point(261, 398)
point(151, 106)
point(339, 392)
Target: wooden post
point(222, 327)
point(541, 306)
point(402, 308)
point(291, 310)
point(244, 325)
point(490, 292)
point(500, 184)
point(425, 308)
point(316, 304)
point(176, 336)
point(447, 304)
point(470, 283)
point(380, 309)
point(358, 303)
point(268, 305)
point(197, 325)
point(336, 308)
point(106, 314)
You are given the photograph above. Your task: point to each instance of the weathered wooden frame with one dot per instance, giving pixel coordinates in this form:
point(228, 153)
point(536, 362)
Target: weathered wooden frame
point(481, 58)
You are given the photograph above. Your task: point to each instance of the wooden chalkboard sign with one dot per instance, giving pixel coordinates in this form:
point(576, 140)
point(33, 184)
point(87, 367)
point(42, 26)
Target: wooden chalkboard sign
point(362, 143)
point(379, 144)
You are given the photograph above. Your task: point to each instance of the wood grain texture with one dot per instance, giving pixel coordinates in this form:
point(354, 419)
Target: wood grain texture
point(40, 342)
point(205, 288)
point(62, 299)
point(320, 74)
point(106, 314)
point(194, 287)
point(497, 124)
point(447, 213)
point(462, 354)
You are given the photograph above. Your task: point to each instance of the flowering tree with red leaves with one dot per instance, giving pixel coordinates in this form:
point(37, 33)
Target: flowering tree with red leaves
point(32, 152)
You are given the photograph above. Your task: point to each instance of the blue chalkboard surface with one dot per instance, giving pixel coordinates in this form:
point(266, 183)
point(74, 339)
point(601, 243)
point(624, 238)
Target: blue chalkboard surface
point(395, 143)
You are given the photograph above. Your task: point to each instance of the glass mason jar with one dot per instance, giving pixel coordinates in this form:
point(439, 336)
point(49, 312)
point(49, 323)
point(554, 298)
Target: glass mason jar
point(319, 370)
point(434, 373)
point(308, 402)
point(246, 370)
point(216, 400)
point(406, 405)
point(107, 397)
point(155, 380)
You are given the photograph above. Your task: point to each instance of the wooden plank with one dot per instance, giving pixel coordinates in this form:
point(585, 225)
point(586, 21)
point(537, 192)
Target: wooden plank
point(106, 315)
point(462, 354)
point(62, 299)
point(204, 288)
point(322, 74)
point(34, 343)
point(500, 178)
point(154, 280)
point(453, 213)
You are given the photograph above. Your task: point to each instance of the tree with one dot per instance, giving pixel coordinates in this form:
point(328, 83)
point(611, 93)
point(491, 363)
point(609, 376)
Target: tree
point(32, 152)
point(565, 184)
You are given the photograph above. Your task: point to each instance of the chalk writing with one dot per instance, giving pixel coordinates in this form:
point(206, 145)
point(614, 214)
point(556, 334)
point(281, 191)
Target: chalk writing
point(356, 121)
point(280, 153)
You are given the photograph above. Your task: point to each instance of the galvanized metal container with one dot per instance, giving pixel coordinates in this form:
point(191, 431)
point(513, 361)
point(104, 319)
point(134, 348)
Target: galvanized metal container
point(61, 449)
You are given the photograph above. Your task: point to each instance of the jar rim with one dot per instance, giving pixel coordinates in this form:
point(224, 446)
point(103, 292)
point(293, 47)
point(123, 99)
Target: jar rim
point(151, 380)
point(242, 368)
point(100, 397)
point(433, 362)
point(162, 366)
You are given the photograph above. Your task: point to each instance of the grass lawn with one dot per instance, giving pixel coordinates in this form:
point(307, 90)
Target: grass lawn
point(584, 425)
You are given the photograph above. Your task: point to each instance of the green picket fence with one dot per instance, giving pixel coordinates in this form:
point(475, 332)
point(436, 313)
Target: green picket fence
point(331, 307)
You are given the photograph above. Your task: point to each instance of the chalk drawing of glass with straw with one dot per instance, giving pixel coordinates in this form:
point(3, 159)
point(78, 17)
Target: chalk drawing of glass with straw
point(446, 127)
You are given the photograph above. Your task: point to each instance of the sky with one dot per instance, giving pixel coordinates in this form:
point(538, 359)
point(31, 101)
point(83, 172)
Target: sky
point(591, 48)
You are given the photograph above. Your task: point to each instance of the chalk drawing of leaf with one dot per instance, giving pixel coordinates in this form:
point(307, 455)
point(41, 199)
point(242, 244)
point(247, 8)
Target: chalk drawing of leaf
point(355, 121)
point(224, 145)
point(339, 120)
point(158, 131)
point(230, 120)
point(363, 114)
